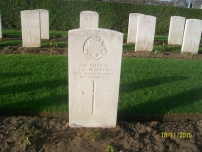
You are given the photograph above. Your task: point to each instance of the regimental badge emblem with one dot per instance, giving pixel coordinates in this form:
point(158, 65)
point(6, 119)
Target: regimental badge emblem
point(30, 16)
point(146, 21)
point(95, 48)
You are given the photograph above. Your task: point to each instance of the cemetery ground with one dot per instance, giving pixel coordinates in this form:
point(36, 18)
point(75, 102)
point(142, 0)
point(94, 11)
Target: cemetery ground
point(160, 100)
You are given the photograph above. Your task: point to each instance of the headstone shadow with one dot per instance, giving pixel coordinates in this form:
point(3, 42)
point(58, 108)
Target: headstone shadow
point(129, 87)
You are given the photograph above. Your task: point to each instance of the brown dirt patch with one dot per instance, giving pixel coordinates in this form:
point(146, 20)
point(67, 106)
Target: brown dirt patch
point(126, 53)
point(53, 134)
point(140, 133)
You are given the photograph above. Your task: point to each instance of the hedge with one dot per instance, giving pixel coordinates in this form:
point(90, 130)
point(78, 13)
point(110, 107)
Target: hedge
point(64, 14)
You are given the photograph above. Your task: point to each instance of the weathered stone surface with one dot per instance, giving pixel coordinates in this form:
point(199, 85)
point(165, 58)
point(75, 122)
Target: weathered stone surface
point(145, 33)
point(180, 3)
point(197, 4)
point(176, 30)
point(89, 19)
point(44, 23)
point(94, 61)
point(192, 35)
point(132, 27)
point(30, 25)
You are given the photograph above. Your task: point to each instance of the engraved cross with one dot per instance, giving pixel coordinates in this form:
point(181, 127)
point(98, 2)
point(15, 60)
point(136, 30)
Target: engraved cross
point(30, 34)
point(192, 40)
point(145, 38)
point(93, 95)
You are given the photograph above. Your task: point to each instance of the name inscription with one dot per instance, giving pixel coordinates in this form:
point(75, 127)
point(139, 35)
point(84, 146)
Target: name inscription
point(93, 70)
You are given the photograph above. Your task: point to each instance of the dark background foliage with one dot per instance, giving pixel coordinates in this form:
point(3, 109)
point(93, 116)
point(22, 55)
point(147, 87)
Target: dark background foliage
point(64, 14)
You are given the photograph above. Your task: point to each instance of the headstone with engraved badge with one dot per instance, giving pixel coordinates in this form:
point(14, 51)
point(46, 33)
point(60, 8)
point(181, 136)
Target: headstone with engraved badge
point(94, 64)
point(30, 25)
point(89, 19)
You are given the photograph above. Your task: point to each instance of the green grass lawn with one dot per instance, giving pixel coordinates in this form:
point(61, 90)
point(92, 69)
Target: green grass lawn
point(39, 83)
point(55, 41)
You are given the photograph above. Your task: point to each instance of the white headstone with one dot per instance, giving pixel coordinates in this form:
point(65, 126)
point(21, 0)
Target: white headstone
point(94, 60)
point(30, 25)
point(0, 26)
point(176, 30)
point(44, 22)
point(145, 33)
point(89, 19)
point(180, 3)
point(196, 4)
point(132, 27)
point(192, 36)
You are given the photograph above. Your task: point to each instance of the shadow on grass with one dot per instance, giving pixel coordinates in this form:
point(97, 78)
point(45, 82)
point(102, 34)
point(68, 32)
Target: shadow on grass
point(129, 47)
point(168, 103)
point(173, 49)
point(13, 74)
point(13, 35)
point(128, 87)
point(11, 43)
point(34, 106)
point(14, 89)
point(147, 111)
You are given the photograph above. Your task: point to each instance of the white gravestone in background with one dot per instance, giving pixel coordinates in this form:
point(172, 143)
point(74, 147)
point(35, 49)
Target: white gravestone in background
point(89, 19)
point(30, 25)
point(192, 36)
point(0, 26)
point(145, 33)
point(94, 61)
point(180, 3)
point(176, 30)
point(44, 23)
point(132, 27)
point(197, 4)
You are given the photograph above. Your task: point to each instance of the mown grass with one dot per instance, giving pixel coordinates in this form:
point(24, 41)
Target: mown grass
point(39, 83)
point(56, 36)
point(55, 39)
point(36, 83)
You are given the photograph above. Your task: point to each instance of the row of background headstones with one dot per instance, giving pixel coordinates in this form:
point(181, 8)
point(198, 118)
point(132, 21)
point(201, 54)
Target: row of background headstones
point(186, 34)
point(35, 26)
point(189, 37)
point(141, 31)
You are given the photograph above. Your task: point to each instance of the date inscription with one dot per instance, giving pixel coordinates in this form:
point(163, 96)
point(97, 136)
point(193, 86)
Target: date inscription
point(177, 134)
